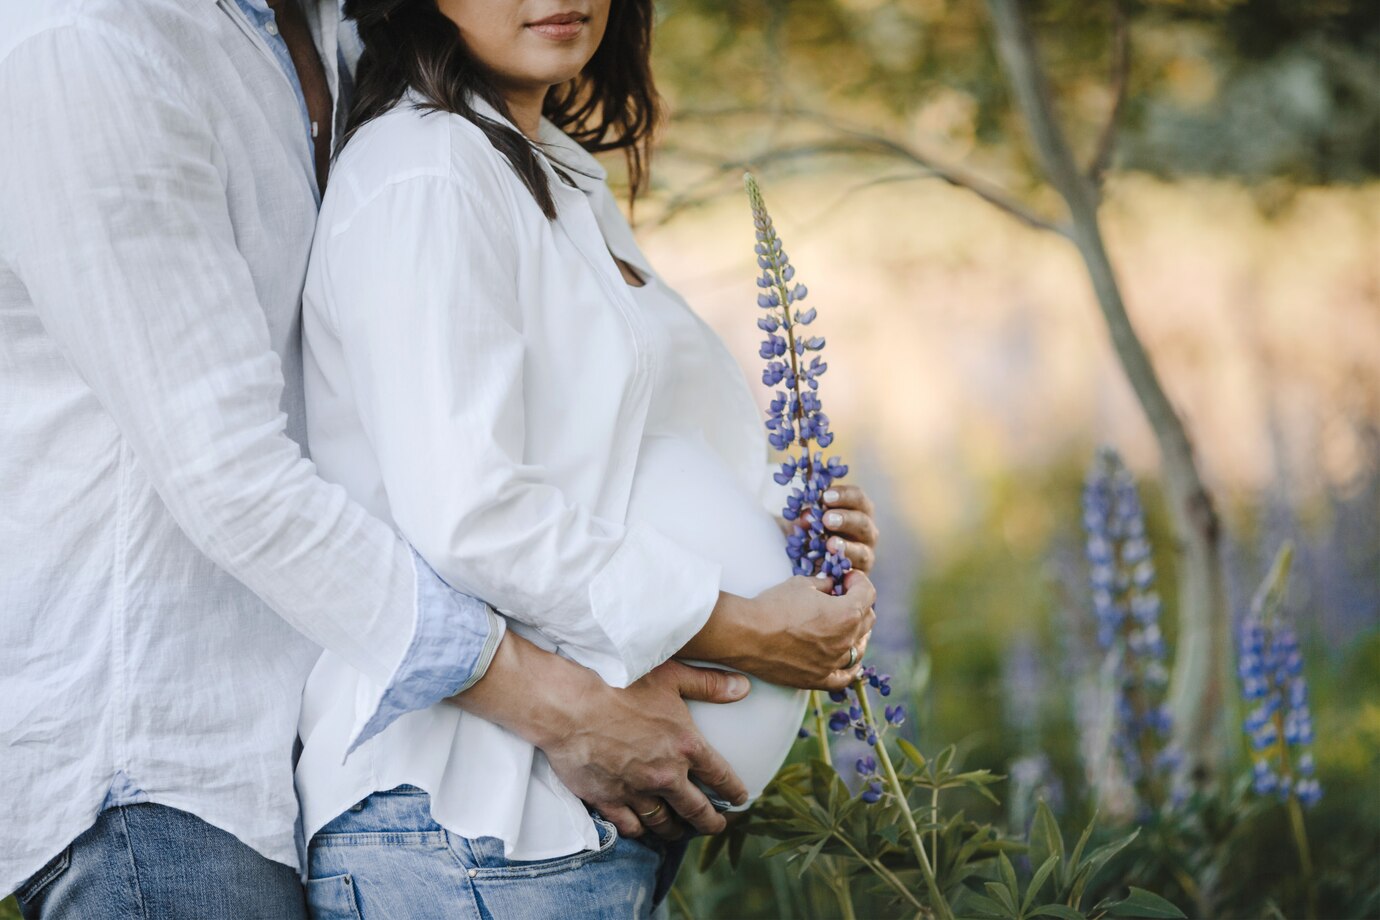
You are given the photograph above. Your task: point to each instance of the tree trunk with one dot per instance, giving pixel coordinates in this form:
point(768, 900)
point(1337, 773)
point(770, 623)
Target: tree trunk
point(1202, 661)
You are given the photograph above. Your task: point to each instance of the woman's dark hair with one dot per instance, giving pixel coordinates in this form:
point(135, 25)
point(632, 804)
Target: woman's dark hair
point(612, 105)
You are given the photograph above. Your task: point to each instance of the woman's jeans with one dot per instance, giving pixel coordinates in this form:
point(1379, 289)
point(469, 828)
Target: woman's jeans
point(385, 859)
point(151, 862)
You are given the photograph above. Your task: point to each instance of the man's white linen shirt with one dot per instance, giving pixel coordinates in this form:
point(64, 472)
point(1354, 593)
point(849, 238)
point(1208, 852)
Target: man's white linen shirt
point(170, 565)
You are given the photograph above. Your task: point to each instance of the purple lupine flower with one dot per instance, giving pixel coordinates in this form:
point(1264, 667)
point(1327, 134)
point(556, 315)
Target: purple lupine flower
point(795, 418)
point(1122, 578)
point(873, 792)
point(1278, 722)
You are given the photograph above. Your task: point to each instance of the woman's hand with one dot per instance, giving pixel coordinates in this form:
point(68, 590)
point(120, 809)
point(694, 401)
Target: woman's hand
point(796, 634)
point(849, 518)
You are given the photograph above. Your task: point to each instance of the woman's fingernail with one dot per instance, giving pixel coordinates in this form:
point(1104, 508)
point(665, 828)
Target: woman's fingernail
point(831, 495)
point(833, 519)
point(835, 544)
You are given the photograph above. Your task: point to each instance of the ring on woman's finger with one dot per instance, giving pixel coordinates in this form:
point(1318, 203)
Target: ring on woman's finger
point(852, 657)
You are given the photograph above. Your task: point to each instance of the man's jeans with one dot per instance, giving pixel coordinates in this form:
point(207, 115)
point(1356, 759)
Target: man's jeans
point(151, 862)
point(386, 859)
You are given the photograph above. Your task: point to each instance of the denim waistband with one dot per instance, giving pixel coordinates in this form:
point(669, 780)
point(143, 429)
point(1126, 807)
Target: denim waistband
point(403, 809)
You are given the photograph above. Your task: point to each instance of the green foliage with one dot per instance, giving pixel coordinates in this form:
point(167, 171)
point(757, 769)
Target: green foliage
point(820, 827)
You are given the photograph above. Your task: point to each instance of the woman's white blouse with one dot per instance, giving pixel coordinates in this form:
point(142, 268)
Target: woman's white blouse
point(480, 377)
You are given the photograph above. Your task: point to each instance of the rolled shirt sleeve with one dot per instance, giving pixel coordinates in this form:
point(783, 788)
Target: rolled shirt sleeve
point(115, 218)
point(430, 332)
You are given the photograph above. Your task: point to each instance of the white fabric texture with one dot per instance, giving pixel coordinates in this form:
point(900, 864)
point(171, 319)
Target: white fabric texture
point(169, 562)
point(483, 377)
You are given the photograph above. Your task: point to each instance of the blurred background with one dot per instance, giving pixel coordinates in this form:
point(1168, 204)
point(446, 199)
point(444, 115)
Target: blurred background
point(972, 375)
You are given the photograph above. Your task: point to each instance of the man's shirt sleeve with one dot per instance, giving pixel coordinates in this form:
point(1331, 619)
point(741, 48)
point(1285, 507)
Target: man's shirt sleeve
point(114, 215)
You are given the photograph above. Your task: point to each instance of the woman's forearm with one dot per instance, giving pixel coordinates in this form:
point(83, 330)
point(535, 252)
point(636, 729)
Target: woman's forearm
point(796, 634)
point(734, 634)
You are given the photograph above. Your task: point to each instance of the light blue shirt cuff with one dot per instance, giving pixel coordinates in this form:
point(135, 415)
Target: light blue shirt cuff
point(454, 638)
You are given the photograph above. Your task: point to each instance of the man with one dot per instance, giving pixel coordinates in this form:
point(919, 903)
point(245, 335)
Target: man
point(170, 565)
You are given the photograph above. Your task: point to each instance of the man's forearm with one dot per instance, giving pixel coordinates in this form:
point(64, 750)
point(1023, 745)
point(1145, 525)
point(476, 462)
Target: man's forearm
point(529, 691)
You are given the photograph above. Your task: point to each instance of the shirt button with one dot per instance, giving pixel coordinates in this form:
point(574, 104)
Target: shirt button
point(271, 28)
point(473, 872)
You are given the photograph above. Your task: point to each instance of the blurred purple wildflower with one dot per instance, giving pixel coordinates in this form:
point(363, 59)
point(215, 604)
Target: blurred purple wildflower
point(1127, 608)
point(1279, 724)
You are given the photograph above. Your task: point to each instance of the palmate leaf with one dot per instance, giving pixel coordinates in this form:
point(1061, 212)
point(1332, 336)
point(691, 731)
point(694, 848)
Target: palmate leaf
point(1070, 867)
point(1047, 841)
point(1037, 881)
point(735, 849)
point(1142, 903)
point(981, 906)
point(1008, 878)
point(1094, 863)
point(1002, 896)
point(810, 856)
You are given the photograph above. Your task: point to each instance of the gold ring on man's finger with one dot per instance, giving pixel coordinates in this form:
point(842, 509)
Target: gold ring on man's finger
point(653, 812)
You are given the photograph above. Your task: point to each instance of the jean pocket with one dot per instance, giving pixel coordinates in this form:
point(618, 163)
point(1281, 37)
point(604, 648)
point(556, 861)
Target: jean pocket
point(486, 857)
point(44, 877)
point(333, 898)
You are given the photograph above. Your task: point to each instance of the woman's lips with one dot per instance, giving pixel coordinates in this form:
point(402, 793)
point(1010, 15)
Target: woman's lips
point(560, 28)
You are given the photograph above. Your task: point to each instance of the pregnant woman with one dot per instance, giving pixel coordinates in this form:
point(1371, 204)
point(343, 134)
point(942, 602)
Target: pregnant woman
point(493, 366)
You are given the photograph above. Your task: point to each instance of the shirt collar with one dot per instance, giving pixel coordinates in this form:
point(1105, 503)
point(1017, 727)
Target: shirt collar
point(557, 146)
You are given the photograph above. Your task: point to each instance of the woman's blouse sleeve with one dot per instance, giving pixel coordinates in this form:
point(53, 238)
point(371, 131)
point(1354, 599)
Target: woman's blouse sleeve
point(421, 288)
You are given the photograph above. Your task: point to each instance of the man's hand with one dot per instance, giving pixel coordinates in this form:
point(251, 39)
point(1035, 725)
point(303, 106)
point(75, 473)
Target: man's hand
point(628, 753)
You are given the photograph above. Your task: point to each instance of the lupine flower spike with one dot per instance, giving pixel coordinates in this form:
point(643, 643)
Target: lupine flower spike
point(797, 426)
point(796, 418)
point(1278, 724)
point(1128, 608)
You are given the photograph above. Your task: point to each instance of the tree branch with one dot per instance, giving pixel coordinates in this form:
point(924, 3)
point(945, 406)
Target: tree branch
point(857, 139)
point(1121, 71)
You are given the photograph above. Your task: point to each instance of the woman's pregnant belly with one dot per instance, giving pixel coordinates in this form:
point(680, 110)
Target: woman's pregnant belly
point(686, 492)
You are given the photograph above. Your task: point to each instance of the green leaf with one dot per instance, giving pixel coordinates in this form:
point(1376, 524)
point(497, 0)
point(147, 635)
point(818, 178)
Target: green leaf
point(1062, 911)
point(1002, 896)
point(711, 850)
point(1142, 903)
point(1037, 881)
point(1094, 863)
point(912, 754)
point(1046, 841)
point(735, 848)
point(1076, 858)
point(1008, 877)
point(983, 906)
point(810, 856)
point(945, 758)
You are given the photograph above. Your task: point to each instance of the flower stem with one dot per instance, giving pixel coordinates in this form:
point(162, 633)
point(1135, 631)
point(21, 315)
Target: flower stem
point(881, 871)
point(934, 833)
point(1305, 859)
point(917, 841)
point(821, 727)
point(842, 890)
